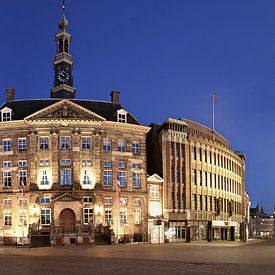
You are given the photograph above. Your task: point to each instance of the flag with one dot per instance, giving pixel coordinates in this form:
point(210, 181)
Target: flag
point(23, 187)
point(118, 187)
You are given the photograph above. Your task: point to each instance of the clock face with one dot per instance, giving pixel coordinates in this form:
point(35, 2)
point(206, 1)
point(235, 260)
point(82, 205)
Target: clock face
point(63, 76)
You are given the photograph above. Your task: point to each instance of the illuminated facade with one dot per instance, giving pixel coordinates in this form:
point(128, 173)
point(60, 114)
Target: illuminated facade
point(204, 182)
point(69, 156)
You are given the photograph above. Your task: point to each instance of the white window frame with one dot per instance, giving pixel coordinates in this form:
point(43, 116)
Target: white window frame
point(45, 200)
point(86, 162)
point(154, 191)
point(123, 216)
point(7, 179)
point(7, 221)
point(107, 145)
point(122, 164)
point(86, 143)
point(22, 163)
point(7, 202)
point(44, 177)
point(136, 148)
point(65, 162)
point(108, 200)
point(87, 200)
point(121, 175)
point(66, 177)
point(22, 177)
point(136, 180)
point(108, 216)
point(6, 114)
point(65, 142)
point(7, 164)
point(43, 143)
point(122, 116)
point(121, 146)
point(46, 213)
point(7, 145)
point(107, 177)
point(86, 177)
point(44, 162)
point(87, 214)
point(22, 143)
point(23, 217)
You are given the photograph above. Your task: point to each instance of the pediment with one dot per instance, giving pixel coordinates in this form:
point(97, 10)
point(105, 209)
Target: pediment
point(65, 197)
point(66, 110)
point(155, 178)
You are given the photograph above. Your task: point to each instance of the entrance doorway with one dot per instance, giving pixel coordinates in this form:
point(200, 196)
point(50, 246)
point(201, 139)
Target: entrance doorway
point(67, 217)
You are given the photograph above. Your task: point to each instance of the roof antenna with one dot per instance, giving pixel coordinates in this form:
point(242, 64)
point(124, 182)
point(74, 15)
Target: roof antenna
point(63, 7)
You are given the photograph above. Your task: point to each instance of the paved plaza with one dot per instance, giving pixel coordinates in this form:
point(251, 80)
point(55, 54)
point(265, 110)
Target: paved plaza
point(254, 257)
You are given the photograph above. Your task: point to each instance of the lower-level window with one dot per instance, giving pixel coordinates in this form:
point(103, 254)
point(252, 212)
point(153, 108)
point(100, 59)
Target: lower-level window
point(108, 216)
point(7, 178)
point(23, 217)
point(88, 215)
point(7, 218)
point(123, 216)
point(45, 216)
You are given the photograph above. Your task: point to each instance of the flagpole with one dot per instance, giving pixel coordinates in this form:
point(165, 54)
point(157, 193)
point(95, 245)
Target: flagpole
point(213, 111)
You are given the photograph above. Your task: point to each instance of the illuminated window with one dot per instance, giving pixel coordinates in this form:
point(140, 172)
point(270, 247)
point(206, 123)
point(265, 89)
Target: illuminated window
point(44, 177)
point(155, 208)
point(22, 218)
point(87, 177)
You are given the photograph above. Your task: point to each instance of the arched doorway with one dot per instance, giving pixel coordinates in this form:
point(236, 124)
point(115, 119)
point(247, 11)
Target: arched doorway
point(67, 217)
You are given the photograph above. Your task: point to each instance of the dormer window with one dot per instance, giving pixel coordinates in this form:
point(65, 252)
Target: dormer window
point(122, 116)
point(6, 114)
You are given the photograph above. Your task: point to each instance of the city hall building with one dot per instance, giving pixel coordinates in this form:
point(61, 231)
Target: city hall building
point(62, 160)
point(204, 182)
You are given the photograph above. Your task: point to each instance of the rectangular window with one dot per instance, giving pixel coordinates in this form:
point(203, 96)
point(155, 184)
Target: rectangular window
point(122, 216)
point(65, 162)
point(7, 145)
point(22, 176)
point(66, 177)
point(7, 164)
point(122, 165)
point(135, 148)
point(108, 201)
point(121, 118)
point(86, 143)
point(107, 164)
point(136, 165)
point(195, 203)
point(7, 178)
point(177, 149)
point(45, 200)
point(87, 199)
point(88, 217)
point(107, 145)
point(137, 216)
point(44, 162)
point(6, 116)
point(86, 162)
point(45, 216)
point(122, 178)
point(22, 144)
point(107, 177)
point(22, 218)
point(200, 177)
point(136, 180)
point(7, 218)
point(194, 153)
point(108, 216)
point(121, 146)
point(211, 204)
point(7, 203)
point(43, 143)
point(172, 149)
point(22, 163)
point(206, 203)
point(65, 142)
point(200, 154)
point(44, 177)
point(87, 177)
point(22, 202)
point(200, 202)
point(154, 191)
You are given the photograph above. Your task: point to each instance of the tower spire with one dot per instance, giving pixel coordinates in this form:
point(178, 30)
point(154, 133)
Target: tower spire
point(63, 61)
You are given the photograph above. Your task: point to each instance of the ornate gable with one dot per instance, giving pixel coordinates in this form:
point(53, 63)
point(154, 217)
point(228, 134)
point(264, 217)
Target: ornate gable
point(65, 197)
point(67, 110)
point(155, 178)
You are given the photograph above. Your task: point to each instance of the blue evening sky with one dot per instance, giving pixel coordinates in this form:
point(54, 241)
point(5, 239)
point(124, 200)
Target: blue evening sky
point(165, 57)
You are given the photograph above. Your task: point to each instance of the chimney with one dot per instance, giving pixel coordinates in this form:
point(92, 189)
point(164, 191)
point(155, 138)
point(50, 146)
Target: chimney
point(10, 94)
point(115, 97)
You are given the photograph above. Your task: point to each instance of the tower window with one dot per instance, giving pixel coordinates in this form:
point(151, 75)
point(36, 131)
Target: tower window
point(66, 46)
point(60, 45)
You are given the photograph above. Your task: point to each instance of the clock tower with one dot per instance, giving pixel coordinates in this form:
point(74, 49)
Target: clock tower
point(63, 61)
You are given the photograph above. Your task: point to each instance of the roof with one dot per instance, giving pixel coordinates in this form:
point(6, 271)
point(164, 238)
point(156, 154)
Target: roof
point(24, 108)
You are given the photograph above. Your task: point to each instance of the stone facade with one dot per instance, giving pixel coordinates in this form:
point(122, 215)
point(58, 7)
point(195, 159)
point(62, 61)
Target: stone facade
point(204, 181)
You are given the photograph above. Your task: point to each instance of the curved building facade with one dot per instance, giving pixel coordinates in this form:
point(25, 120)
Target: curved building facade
point(204, 181)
